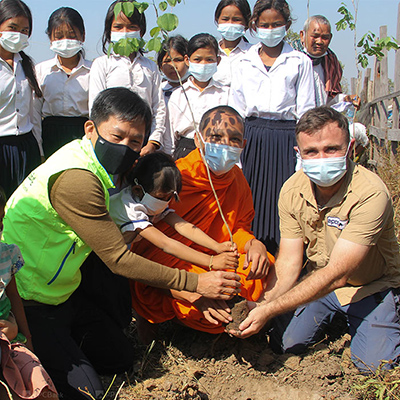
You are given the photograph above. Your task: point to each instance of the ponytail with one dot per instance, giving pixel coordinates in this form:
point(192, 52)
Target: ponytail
point(29, 71)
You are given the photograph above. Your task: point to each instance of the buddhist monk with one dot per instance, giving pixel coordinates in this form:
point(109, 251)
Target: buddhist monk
point(221, 144)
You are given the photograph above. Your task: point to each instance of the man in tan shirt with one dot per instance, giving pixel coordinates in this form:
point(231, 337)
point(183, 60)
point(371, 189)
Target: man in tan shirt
point(342, 215)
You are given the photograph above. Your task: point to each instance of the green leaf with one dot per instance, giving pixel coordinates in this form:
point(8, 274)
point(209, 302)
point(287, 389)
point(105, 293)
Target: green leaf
point(163, 5)
point(168, 22)
point(155, 31)
point(172, 3)
point(142, 7)
point(117, 10)
point(125, 47)
point(128, 8)
point(154, 44)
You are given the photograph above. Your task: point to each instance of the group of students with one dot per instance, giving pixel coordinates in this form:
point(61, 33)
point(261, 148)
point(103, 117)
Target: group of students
point(43, 107)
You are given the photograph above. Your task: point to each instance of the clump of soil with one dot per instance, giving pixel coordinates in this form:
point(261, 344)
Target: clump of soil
point(239, 312)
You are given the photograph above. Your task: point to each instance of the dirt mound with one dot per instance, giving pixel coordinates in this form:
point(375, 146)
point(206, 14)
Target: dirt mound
point(185, 364)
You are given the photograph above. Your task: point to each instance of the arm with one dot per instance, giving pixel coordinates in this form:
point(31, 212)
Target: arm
point(305, 99)
point(179, 250)
point(98, 79)
point(90, 219)
point(345, 259)
point(18, 310)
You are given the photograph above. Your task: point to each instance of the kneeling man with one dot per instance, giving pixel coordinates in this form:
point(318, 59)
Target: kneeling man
point(342, 215)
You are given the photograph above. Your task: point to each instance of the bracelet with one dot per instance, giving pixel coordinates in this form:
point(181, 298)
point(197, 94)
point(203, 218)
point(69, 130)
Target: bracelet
point(211, 263)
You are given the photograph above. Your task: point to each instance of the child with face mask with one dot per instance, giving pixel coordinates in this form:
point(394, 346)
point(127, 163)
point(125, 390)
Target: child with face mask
point(201, 89)
point(272, 87)
point(134, 72)
point(64, 81)
point(232, 18)
point(154, 182)
point(19, 136)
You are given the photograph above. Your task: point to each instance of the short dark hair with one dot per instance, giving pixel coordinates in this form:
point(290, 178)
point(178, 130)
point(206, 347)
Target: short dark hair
point(136, 18)
point(242, 5)
point(317, 118)
point(222, 109)
point(178, 43)
point(157, 172)
point(201, 41)
point(123, 104)
point(261, 5)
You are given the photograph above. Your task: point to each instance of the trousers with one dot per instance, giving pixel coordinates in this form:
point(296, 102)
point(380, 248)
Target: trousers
point(373, 324)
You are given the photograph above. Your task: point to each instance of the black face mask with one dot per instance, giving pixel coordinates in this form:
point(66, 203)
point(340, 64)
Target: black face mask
point(115, 158)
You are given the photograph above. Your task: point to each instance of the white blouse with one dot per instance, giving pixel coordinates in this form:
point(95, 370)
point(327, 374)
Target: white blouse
point(285, 92)
point(64, 95)
point(213, 95)
point(16, 99)
point(141, 76)
point(228, 63)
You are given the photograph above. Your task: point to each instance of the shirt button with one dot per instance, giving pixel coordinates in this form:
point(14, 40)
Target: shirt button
point(17, 91)
point(17, 109)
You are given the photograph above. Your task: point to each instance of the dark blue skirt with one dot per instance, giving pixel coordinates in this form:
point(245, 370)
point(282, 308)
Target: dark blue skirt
point(19, 155)
point(268, 161)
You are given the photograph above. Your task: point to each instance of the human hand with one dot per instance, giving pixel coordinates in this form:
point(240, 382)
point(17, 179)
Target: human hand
point(227, 260)
point(149, 148)
point(221, 285)
point(254, 322)
point(214, 311)
point(258, 257)
point(9, 327)
point(226, 246)
point(354, 99)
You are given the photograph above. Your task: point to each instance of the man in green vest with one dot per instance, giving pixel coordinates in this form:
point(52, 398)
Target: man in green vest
point(58, 216)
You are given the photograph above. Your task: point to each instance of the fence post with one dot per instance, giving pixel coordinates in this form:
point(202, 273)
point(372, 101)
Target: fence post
point(396, 75)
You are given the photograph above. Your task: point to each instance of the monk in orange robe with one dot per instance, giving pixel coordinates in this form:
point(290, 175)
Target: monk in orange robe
point(219, 126)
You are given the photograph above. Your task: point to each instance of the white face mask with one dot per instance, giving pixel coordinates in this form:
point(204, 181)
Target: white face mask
point(326, 172)
point(271, 37)
point(13, 42)
point(153, 206)
point(66, 48)
point(202, 72)
point(117, 36)
point(231, 32)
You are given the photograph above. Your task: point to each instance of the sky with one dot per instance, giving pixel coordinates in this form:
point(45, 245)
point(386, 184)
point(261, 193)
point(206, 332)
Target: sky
point(197, 16)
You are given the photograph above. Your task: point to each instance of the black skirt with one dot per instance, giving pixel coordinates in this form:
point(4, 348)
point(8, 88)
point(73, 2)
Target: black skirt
point(268, 160)
point(58, 131)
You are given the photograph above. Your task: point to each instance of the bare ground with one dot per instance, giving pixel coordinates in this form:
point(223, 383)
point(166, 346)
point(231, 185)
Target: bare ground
point(186, 364)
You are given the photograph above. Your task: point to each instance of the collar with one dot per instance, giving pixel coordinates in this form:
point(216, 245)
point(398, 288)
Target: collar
point(16, 60)
point(306, 188)
point(126, 58)
point(242, 46)
point(213, 83)
point(81, 64)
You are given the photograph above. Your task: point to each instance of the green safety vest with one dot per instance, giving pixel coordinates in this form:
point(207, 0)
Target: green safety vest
point(52, 251)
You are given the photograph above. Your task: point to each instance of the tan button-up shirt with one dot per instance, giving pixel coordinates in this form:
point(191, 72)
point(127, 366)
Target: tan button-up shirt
point(360, 212)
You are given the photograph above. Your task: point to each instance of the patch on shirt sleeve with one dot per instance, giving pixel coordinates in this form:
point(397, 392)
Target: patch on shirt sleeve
point(337, 223)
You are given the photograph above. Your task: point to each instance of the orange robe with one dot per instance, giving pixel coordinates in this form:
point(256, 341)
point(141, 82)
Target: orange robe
point(198, 206)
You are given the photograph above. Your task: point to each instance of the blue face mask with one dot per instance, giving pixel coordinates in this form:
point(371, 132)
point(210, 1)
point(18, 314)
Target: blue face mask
point(271, 37)
point(325, 172)
point(202, 72)
point(231, 32)
point(220, 157)
point(117, 36)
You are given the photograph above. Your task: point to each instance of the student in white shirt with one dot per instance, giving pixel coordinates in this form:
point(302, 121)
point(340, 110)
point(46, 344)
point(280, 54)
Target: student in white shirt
point(232, 18)
point(272, 87)
point(64, 81)
point(201, 89)
point(171, 56)
point(135, 72)
point(19, 149)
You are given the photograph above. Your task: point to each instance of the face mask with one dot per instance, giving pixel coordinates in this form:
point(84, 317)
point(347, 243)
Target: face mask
point(117, 36)
point(326, 172)
point(66, 48)
point(231, 32)
point(220, 157)
point(115, 158)
point(183, 78)
point(271, 37)
point(13, 42)
point(202, 72)
point(153, 205)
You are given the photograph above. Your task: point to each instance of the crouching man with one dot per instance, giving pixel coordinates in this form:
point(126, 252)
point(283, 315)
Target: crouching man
point(342, 215)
